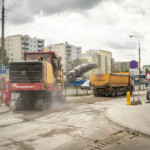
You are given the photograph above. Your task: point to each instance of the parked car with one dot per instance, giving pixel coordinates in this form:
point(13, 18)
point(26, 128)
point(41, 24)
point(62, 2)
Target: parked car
point(147, 94)
point(86, 85)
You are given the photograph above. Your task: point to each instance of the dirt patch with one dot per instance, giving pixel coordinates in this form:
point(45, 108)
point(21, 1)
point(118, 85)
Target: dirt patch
point(23, 146)
point(54, 131)
point(31, 140)
point(19, 145)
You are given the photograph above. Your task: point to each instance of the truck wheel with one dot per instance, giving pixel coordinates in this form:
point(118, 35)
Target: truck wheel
point(125, 92)
point(18, 103)
point(112, 93)
point(96, 94)
point(117, 92)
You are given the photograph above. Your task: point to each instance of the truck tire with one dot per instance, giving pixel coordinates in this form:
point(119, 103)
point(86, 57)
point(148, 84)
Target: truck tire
point(18, 103)
point(96, 94)
point(125, 91)
point(117, 92)
point(112, 92)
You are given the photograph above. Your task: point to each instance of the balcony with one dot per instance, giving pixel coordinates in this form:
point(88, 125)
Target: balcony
point(25, 41)
point(40, 44)
point(40, 49)
point(69, 62)
point(68, 54)
point(25, 49)
point(68, 50)
point(68, 47)
point(25, 45)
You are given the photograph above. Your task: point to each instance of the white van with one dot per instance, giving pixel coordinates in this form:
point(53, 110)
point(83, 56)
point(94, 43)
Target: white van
point(86, 85)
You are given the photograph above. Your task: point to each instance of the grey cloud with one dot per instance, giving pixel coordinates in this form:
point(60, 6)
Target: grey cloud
point(57, 6)
point(50, 6)
point(23, 11)
point(29, 8)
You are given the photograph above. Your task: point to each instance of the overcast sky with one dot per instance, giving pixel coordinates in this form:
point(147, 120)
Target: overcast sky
point(91, 24)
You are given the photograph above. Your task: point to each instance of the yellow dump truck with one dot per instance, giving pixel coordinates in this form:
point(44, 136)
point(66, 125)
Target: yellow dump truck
point(115, 84)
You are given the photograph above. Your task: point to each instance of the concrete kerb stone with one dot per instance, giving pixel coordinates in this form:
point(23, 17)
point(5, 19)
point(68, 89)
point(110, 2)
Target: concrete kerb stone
point(137, 132)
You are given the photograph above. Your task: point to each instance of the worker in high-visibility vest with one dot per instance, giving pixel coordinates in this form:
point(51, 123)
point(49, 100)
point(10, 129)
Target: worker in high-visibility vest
point(7, 97)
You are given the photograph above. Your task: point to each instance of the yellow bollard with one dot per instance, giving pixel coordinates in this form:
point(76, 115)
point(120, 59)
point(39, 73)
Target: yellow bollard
point(128, 98)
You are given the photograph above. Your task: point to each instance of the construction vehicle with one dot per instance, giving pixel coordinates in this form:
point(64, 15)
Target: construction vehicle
point(115, 84)
point(38, 81)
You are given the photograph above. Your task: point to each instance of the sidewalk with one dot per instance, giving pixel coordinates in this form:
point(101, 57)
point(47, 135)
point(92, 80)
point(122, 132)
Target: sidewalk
point(4, 108)
point(135, 118)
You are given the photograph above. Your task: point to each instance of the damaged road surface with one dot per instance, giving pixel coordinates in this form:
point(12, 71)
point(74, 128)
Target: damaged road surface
point(80, 124)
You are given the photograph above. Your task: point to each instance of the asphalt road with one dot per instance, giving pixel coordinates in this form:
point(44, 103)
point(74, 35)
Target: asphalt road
point(79, 124)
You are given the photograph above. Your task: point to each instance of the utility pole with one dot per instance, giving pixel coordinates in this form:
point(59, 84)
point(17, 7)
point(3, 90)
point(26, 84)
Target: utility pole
point(2, 42)
point(139, 67)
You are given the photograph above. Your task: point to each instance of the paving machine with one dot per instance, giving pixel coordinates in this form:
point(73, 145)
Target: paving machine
point(38, 81)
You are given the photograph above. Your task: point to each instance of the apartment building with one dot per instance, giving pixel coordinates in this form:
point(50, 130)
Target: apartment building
point(18, 44)
point(64, 51)
point(112, 65)
point(104, 59)
point(75, 52)
point(67, 52)
point(91, 57)
point(122, 66)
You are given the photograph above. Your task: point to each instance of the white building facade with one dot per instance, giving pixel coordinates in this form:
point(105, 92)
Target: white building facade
point(67, 52)
point(106, 60)
point(101, 57)
point(18, 44)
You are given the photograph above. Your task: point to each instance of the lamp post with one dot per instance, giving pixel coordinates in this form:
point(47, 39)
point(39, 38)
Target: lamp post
point(139, 62)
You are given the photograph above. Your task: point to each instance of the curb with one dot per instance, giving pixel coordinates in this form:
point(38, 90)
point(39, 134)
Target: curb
point(137, 132)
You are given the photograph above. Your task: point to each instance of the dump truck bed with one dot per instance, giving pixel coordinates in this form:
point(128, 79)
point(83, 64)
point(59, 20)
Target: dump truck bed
point(109, 80)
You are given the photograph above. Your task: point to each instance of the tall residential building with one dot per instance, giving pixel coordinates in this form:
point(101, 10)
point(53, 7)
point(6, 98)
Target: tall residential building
point(75, 52)
point(112, 65)
point(18, 44)
point(105, 59)
point(122, 66)
point(67, 52)
point(92, 57)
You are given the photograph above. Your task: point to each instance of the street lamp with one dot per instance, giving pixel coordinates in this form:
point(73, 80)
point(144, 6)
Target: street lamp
point(139, 61)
